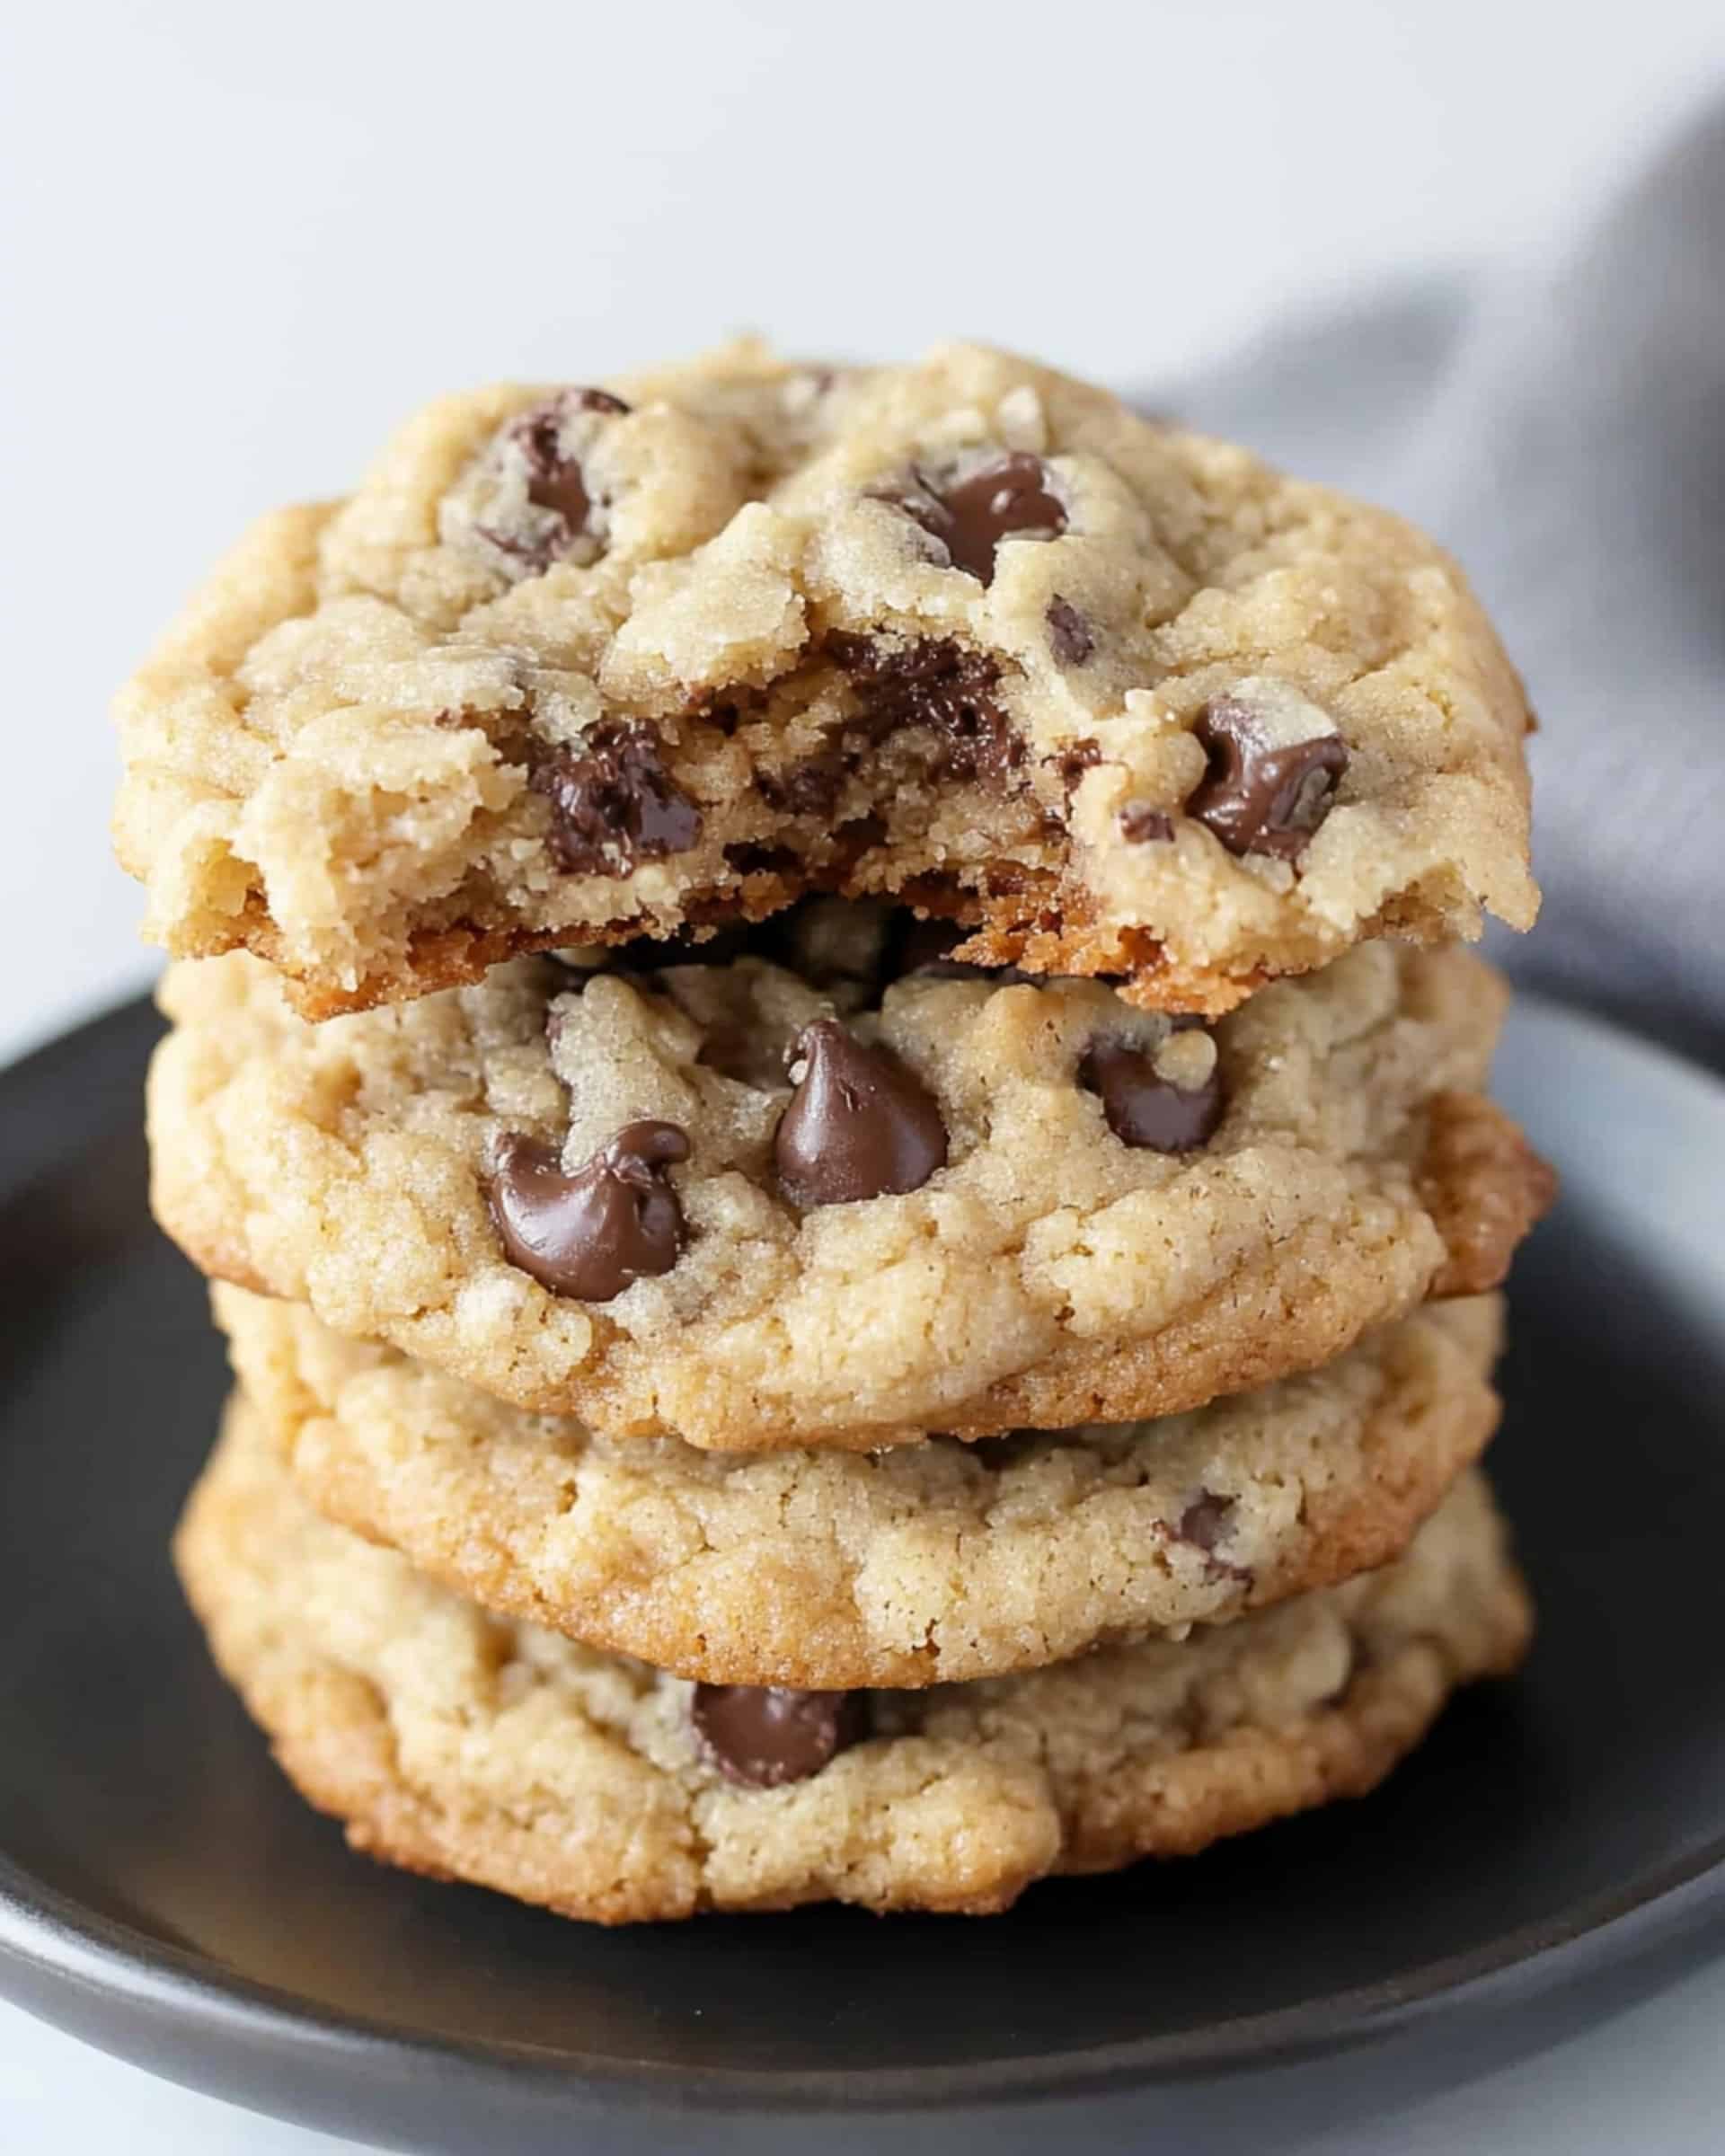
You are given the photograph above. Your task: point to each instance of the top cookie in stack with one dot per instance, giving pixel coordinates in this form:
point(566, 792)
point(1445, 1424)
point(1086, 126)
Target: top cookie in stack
point(590, 665)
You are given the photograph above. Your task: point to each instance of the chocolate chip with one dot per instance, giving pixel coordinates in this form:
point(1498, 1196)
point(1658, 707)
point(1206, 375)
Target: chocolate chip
point(1069, 633)
point(936, 685)
point(1140, 824)
point(1206, 1521)
point(613, 802)
point(1142, 1108)
point(1007, 498)
point(766, 1735)
point(1259, 798)
point(810, 786)
point(859, 1124)
point(555, 481)
point(590, 1234)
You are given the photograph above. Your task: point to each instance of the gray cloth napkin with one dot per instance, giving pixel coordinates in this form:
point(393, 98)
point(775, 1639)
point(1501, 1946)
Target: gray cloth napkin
point(1562, 431)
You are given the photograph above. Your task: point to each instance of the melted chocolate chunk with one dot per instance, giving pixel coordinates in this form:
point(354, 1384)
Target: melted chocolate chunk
point(613, 802)
point(933, 686)
point(1140, 824)
point(811, 786)
point(1008, 498)
point(766, 1735)
point(859, 1124)
point(590, 1234)
point(1143, 1108)
point(938, 686)
point(1258, 799)
point(1069, 633)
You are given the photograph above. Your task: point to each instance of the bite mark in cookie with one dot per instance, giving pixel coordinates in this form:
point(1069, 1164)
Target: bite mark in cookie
point(592, 1234)
point(1022, 568)
point(934, 687)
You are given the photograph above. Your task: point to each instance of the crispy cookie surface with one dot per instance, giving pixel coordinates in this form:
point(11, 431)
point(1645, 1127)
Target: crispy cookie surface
point(457, 1744)
point(603, 1195)
point(930, 1563)
point(582, 665)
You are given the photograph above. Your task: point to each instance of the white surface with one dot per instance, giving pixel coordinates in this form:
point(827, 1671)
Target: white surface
point(239, 242)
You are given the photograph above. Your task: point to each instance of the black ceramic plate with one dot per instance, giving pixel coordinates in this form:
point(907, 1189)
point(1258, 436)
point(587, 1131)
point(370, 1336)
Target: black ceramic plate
point(162, 1892)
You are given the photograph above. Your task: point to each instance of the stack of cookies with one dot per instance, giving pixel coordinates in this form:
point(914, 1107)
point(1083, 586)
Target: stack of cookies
point(822, 1044)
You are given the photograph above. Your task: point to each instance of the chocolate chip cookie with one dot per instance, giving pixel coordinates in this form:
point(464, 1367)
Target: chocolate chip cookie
point(931, 1562)
point(848, 1193)
point(459, 1744)
point(581, 664)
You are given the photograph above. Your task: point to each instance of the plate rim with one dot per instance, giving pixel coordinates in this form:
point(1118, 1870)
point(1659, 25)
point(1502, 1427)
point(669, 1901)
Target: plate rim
point(146, 1977)
point(57, 1952)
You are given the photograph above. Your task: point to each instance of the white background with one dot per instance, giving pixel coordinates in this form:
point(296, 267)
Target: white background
point(240, 241)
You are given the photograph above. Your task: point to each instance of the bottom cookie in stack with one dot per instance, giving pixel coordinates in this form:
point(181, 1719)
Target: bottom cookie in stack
point(467, 1746)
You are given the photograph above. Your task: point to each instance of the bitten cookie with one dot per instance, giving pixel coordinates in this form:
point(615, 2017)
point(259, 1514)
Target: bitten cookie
point(932, 1562)
point(846, 1199)
point(455, 1743)
point(581, 664)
